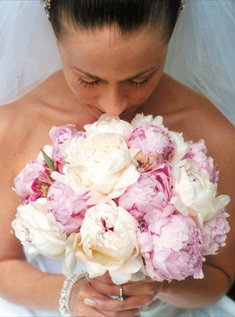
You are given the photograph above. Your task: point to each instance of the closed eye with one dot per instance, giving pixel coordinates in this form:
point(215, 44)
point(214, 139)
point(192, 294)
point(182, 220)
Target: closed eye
point(88, 84)
point(140, 83)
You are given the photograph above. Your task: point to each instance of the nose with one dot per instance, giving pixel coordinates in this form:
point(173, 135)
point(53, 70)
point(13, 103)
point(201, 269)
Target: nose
point(113, 101)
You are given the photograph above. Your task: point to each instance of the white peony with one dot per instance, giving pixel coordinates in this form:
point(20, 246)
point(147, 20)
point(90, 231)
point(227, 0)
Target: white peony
point(101, 162)
point(141, 119)
point(107, 242)
point(194, 194)
point(109, 124)
point(38, 230)
point(180, 146)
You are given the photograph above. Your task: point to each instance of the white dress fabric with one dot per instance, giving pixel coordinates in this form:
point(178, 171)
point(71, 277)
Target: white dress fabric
point(201, 55)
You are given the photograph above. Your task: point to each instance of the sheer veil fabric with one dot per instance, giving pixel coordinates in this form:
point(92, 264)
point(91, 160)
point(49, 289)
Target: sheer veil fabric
point(201, 55)
point(28, 49)
point(201, 52)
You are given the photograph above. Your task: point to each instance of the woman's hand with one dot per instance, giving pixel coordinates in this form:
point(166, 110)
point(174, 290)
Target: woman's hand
point(92, 297)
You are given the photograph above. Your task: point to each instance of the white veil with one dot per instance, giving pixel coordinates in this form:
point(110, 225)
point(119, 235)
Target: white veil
point(201, 53)
point(28, 49)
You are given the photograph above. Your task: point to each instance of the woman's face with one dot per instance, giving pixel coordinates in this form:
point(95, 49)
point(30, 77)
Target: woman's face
point(111, 72)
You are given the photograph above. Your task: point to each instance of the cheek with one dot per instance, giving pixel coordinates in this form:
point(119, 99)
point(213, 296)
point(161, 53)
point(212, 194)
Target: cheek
point(84, 93)
point(140, 95)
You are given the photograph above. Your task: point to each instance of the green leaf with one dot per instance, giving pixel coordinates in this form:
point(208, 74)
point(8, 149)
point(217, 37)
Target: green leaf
point(48, 160)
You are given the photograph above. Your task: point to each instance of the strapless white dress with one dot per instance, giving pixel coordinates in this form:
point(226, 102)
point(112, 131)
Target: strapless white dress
point(225, 307)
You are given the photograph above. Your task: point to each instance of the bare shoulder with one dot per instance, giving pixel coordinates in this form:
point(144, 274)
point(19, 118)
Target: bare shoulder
point(186, 111)
point(25, 124)
point(18, 125)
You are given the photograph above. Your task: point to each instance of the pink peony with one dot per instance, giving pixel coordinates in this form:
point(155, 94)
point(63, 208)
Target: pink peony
point(152, 191)
point(197, 152)
point(153, 141)
point(171, 247)
point(67, 206)
point(33, 181)
point(60, 137)
point(214, 233)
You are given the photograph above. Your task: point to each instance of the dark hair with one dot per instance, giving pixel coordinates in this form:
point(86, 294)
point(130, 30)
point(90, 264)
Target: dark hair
point(129, 15)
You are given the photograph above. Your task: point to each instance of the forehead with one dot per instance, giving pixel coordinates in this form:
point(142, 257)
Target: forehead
point(109, 48)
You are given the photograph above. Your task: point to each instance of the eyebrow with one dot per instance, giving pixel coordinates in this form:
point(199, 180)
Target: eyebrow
point(130, 78)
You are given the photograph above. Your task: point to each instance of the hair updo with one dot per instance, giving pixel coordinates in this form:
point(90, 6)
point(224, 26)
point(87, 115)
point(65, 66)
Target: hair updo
point(128, 15)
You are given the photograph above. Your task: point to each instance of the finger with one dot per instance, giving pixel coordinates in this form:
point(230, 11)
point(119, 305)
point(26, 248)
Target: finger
point(106, 289)
point(87, 291)
point(132, 302)
point(89, 300)
point(107, 279)
point(83, 310)
point(104, 278)
point(85, 307)
point(129, 289)
point(125, 313)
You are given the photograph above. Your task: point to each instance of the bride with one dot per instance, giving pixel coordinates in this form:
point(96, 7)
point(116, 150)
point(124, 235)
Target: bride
point(114, 61)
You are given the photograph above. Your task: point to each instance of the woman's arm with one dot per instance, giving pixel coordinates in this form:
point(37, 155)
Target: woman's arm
point(192, 293)
point(21, 283)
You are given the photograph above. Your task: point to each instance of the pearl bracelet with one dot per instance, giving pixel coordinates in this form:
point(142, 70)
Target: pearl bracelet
point(66, 291)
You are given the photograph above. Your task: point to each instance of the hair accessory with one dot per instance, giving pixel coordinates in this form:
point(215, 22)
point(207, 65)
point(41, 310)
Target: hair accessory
point(47, 6)
point(66, 291)
point(182, 4)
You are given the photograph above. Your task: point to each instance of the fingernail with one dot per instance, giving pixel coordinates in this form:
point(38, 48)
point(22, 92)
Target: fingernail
point(89, 302)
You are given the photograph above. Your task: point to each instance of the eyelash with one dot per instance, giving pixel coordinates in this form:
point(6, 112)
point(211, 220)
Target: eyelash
point(87, 84)
point(141, 84)
point(96, 82)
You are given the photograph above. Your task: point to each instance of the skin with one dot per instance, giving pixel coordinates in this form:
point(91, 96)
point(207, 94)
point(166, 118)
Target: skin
point(113, 61)
point(107, 75)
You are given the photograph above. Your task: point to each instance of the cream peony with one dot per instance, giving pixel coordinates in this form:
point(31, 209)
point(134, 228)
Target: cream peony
point(140, 119)
point(180, 146)
point(194, 194)
point(107, 242)
point(101, 162)
point(38, 230)
point(109, 124)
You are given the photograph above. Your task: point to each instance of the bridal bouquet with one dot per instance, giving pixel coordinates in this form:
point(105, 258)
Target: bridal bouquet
point(132, 199)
